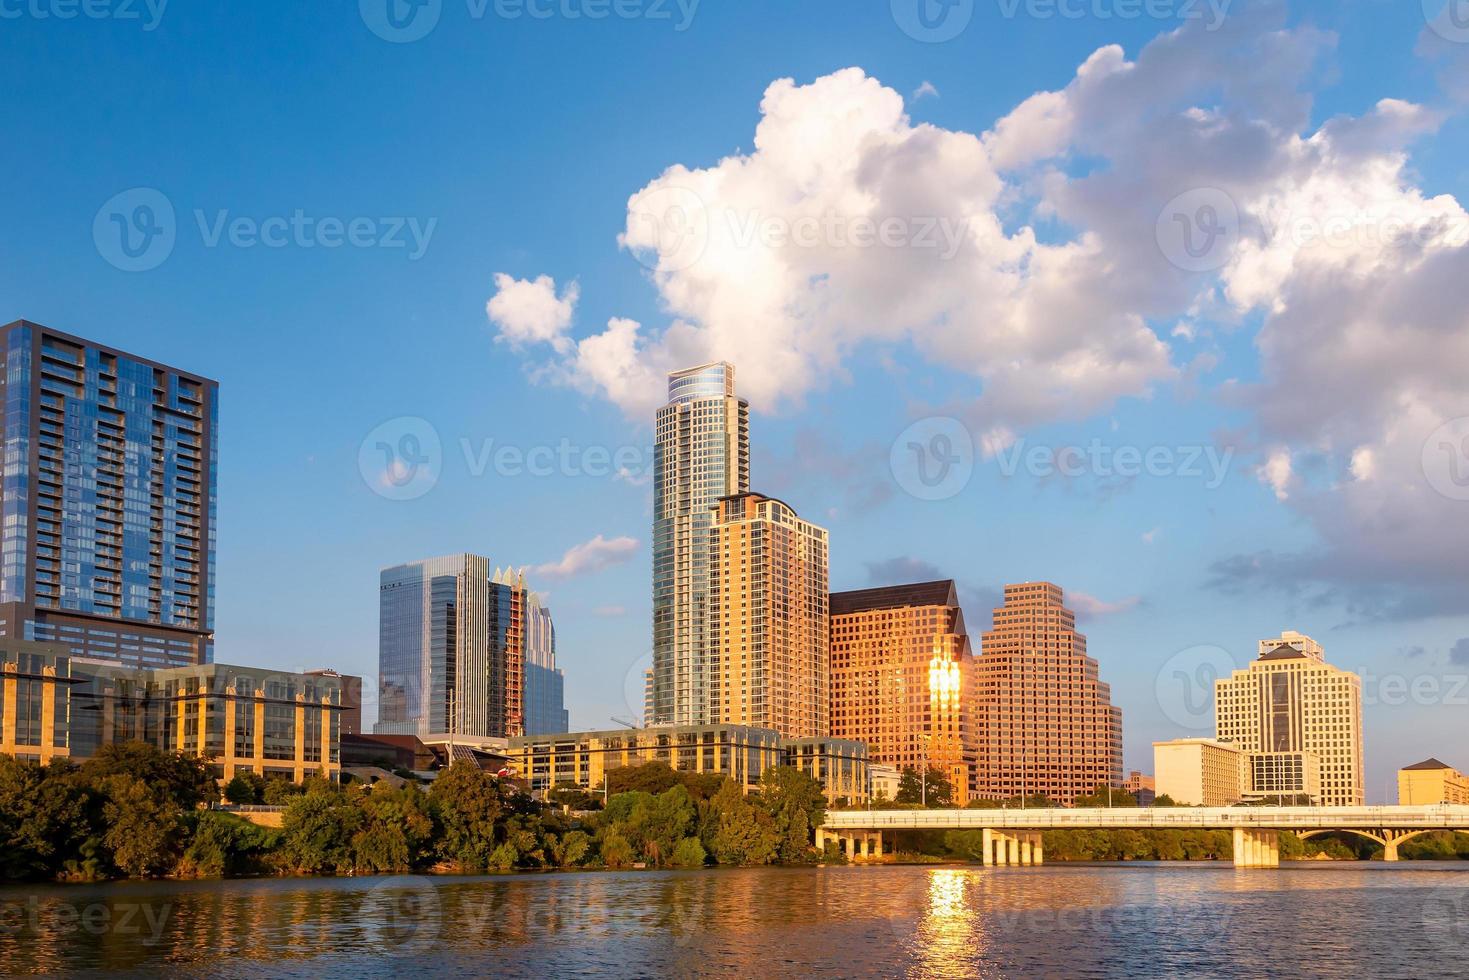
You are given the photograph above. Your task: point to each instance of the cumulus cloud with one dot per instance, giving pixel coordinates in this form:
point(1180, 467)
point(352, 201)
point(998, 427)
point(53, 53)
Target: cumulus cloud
point(926, 90)
point(590, 556)
point(528, 311)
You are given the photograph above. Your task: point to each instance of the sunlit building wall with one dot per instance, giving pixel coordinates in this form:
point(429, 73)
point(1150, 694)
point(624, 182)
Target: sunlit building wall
point(902, 676)
point(1045, 720)
point(768, 630)
point(1431, 782)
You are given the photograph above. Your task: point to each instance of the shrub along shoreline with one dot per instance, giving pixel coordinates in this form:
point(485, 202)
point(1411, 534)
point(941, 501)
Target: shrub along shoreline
point(134, 811)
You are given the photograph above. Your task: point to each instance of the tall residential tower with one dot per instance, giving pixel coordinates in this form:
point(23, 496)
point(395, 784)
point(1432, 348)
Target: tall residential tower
point(1045, 719)
point(108, 501)
point(702, 453)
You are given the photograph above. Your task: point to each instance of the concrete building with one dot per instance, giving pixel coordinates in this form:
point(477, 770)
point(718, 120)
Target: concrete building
point(1288, 777)
point(452, 649)
point(1199, 771)
point(902, 679)
point(108, 501)
point(54, 705)
point(1044, 719)
point(768, 637)
point(1431, 782)
point(740, 752)
point(883, 782)
point(701, 454)
point(1142, 787)
point(351, 699)
point(545, 684)
point(1291, 701)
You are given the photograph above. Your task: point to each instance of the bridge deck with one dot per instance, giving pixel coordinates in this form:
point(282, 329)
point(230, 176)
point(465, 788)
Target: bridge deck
point(1159, 818)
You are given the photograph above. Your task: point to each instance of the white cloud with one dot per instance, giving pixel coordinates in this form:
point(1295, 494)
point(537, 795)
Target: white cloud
point(1151, 535)
point(1089, 606)
point(926, 90)
point(590, 556)
point(1275, 473)
point(528, 311)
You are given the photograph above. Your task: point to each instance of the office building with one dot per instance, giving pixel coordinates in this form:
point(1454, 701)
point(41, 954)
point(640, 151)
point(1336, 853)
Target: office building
point(351, 699)
point(902, 679)
point(1200, 771)
point(545, 685)
point(741, 752)
point(1291, 704)
point(278, 725)
point(1045, 720)
point(701, 453)
point(768, 637)
point(452, 649)
point(1430, 782)
point(108, 501)
point(1142, 787)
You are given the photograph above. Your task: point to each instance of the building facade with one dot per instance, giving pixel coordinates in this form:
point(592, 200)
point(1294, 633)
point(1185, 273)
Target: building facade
point(351, 699)
point(1143, 787)
point(451, 649)
point(741, 752)
point(768, 636)
point(1431, 782)
point(280, 725)
point(1200, 771)
point(108, 501)
point(701, 453)
point(1044, 718)
point(545, 684)
point(903, 679)
point(1291, 702)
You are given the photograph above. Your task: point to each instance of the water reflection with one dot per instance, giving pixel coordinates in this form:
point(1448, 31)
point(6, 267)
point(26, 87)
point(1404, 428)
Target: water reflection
point(1345, 921)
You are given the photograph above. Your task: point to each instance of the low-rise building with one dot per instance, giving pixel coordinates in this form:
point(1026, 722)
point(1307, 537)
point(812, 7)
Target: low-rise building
point(53, 705)
point(883, 782)
point(1289, 776)
point(740, 752)
point(1199, 771)
point(1142, 787)
point(1431, 782)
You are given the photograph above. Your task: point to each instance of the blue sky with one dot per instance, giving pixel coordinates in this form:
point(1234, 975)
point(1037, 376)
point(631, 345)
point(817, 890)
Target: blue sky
point(513, 146)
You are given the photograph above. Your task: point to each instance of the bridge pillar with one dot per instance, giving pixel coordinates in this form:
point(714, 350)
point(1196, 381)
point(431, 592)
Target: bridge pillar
point(1027, 852)
point(877, 843)
point(1256, 848)
point(1040, 847)
point(1012, 850)
point(987, 845)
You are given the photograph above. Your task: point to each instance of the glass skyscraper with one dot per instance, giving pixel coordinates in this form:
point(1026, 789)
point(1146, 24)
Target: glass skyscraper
point(456, 643)
point(108, 500)
point(702, 453)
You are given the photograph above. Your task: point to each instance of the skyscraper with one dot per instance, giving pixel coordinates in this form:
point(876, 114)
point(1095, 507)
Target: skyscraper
point(702, 453)
point(452, 649)
point(768, 630)
point(902, 678)
point(545, 685)
point(1045, 719)
point(1300, 721)
point(108, 501)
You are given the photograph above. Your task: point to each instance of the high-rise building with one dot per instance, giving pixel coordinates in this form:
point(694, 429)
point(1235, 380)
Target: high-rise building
point(768, 632)
point(902, 678)
point(451, 649)
point(545, 685)
point(1302, 719)
point(1045, 720)
point(108, 501)
point(702, 453)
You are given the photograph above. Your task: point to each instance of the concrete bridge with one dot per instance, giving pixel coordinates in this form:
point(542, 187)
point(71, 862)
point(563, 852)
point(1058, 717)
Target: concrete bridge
point(1013, 836)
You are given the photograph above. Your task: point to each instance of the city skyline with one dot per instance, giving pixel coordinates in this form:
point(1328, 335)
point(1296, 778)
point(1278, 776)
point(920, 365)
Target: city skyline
point(1312, 513)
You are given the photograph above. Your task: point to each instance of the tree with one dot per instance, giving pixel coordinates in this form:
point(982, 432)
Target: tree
point(44, 819)
point(245, 789)
point(689, 853)
point(280, 792)
point(186, 780)
point(616, 852)
point(741, 832)
point(1164, 800)
point(468, 805)
point(319, 828)
point(573, 797)
point(223, 845)
point(396, 830)
point(938, 792)
point(1102, 796)
point(142, 820)
point(653, 778)
point(796, 805)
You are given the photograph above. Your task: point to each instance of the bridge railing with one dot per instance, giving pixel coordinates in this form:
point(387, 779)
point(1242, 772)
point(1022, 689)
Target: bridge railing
point(1156, 818)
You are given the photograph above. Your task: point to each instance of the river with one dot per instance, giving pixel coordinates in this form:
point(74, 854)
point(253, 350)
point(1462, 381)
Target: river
point(1135, 920)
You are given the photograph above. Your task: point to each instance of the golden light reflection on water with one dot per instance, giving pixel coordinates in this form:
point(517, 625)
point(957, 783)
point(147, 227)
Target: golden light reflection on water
point(951, 937)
